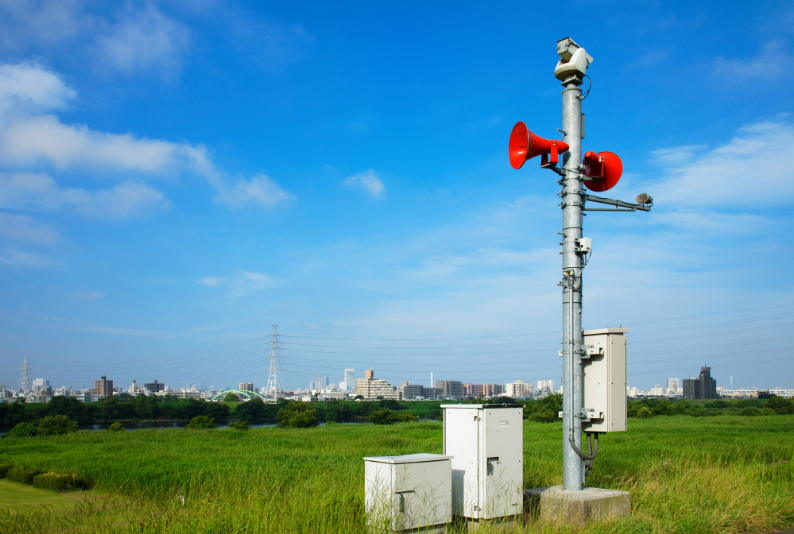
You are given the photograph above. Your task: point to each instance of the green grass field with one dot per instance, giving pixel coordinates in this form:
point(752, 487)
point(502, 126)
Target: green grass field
point(685, 474)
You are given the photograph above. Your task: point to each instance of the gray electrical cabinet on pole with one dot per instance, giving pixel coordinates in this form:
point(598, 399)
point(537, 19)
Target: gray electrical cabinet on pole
point(604, 365)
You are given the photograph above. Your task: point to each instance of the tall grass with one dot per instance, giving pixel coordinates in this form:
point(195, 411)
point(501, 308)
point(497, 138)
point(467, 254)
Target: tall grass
point(693, 475)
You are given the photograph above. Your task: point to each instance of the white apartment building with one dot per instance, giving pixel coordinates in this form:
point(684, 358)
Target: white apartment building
point(371, 388)
point(520, 389)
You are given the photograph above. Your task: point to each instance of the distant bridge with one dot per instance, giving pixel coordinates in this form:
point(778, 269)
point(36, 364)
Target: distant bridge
point(249, 394)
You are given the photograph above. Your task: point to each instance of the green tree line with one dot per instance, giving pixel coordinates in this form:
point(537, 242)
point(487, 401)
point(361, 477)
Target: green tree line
point(124, 407)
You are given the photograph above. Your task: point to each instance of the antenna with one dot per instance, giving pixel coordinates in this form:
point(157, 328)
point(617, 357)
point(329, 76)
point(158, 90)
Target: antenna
point(25, 381)
point(273, 388)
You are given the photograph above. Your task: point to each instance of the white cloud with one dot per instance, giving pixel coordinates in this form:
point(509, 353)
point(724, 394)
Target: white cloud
point(46, 22)
point(212, 281)
point(737, 174)
point(30, 88)
point(45, 140)
point(244, 282)
point(18, 258)
point(29, 140)
point(369, 181)
point(260, 189)
point(143, 40)
point(25, 228)
point(38, 191)
point(771, 63)
point(89, 296)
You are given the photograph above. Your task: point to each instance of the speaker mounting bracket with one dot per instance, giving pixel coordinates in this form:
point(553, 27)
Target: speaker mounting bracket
point(619, 204)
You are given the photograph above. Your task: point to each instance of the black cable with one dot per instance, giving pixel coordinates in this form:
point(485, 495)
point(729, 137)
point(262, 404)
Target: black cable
point(589, 86)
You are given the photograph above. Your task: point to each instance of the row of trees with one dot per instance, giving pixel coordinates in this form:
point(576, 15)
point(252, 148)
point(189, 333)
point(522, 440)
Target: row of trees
point(652, 407)
point(124, 407)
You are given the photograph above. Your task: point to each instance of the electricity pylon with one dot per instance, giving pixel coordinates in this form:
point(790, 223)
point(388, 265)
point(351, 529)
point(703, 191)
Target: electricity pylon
point(274, 389)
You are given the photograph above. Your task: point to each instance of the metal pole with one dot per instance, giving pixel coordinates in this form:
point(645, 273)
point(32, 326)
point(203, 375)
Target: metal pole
point(572, 464)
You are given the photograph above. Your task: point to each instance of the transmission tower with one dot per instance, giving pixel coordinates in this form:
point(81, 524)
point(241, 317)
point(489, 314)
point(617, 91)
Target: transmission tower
point(25, 380)
point(274, 389)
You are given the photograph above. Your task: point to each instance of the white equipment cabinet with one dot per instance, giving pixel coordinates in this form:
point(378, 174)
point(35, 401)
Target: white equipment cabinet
point(408, 492)
point(604, 367)
point(486, 443)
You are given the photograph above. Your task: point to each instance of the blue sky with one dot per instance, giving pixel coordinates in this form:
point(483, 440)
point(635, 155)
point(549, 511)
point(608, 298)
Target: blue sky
point(175, 177)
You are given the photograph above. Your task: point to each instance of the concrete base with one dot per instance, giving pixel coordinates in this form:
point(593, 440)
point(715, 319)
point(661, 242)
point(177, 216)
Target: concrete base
point(500, 524)
point(578, 507)
point(435, 529)
point(497, 524)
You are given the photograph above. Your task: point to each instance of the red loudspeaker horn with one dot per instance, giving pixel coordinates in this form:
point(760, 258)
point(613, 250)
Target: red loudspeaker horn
point(525, 145)
point(605, 167)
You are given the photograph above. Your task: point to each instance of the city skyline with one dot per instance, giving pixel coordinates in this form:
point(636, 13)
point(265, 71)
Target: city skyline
point(673, 386)
point(176, 177)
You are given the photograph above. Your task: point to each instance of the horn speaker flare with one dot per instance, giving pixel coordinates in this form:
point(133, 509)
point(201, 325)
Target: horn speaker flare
point(524, 145)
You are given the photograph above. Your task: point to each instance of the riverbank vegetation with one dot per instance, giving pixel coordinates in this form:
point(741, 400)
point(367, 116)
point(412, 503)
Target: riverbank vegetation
point(729, 474)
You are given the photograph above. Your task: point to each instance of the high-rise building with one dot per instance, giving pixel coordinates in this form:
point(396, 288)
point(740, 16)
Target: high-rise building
point(431, 393)
point(103, 386)
point(673, 384)
point(410, 391)
point(474, 390)
point(483, 390)
point(349, 381)
point(451, 388)
point(546, 384)
point(494, 390)
point(41, 386)
point(372, 388)
point(520, 389)
point(154, 387)
point(702, 387)
point(246, 386)
point(319, 382)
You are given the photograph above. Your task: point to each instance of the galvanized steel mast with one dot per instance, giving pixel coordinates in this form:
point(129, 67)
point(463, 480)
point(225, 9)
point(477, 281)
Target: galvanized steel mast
point(572, 200)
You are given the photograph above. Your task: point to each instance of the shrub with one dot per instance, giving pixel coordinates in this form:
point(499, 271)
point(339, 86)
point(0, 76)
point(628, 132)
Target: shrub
point(56, 424)
point(23, 430)
point(55, 482)
point(767, 411)
point(297, 415)
point(23, 475)
point(117, 427)
point(544, 416)
point(240, 425)
point(201, 422)
point(644, 413)
point(330, 423)
point(4, 468)
point(405, 418)
point(383, 416)
point(230, 397)
point(750, 410)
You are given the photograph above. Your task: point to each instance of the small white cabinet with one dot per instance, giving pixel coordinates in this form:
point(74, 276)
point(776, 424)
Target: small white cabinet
point(408, 492)
point(486, 445)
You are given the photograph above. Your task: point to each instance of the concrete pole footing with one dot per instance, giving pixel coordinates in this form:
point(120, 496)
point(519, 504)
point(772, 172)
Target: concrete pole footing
point(577, 508)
